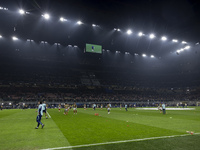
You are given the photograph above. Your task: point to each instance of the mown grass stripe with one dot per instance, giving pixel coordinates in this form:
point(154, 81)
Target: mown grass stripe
point(116, 142)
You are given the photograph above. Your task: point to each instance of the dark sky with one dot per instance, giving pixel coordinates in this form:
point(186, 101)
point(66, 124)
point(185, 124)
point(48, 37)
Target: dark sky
point(177, 17)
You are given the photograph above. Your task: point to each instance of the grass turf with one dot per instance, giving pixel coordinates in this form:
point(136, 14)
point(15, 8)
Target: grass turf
point(17, 129)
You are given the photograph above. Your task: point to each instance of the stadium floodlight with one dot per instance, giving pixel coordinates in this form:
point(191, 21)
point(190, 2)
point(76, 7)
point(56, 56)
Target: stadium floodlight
point(3, 8)
point(0, 36)
point(140, 34)
point(163, 38)
point(75, 46)
point(136, 54)
point(152, 56)
point(127, 53)
point(144, 55)
point(184, 42)
point(94, 25)
point(151, 36)
point(69, 45)
point(62, 19)
point(46, 16)
point(175, 40)
point(56, 43)
point(187, 47)
point(129, 32)
point(21, 11)
point(29, 40)
point(117, 29)
point(79, 22)
point(10, 103)
point(180, 50)
point(14, 38)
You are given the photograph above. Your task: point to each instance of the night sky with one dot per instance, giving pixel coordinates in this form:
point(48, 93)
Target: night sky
point(178, 18)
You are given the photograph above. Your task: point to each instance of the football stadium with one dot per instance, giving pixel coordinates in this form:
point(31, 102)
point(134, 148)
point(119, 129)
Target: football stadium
point(99, 75)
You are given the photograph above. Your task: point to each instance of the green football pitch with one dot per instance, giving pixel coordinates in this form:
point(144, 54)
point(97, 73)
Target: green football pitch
point(134, 129)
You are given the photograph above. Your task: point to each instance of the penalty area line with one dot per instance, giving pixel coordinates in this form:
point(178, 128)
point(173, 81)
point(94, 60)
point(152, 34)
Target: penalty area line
point(48, 115)
point(116, 142)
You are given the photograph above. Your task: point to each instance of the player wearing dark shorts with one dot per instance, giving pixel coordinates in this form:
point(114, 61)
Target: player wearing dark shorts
point(39, 116)
point(44, 109)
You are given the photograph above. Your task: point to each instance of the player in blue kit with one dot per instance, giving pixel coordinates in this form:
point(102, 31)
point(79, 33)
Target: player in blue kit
point(44, 109)
point(39, 116)
point(94, 106)
point(163, 108)
point(126, 107)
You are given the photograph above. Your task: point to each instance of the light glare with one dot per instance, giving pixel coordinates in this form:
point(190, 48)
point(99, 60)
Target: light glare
point(79, 22)
point(151, 36)
point(117, 29)
point(62, 19)
point(129, 32)
point(144, 55)
point(163, 38)
point(187, 47)
point(2, 8)
point(140, 34)
point(175, 40)
point(127, 53)
point(14, 38)
point(183, 42)
point(46, 16)
point(21, 11)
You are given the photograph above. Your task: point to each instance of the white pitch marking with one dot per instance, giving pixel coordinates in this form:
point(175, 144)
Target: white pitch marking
point(48, 115)
point(116, 142)
point(166, 108)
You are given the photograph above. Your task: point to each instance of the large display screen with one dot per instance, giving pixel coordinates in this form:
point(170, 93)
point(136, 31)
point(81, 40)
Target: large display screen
point(92, 48)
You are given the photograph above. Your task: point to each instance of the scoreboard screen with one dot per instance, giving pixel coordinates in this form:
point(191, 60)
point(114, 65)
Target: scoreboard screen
point(92, 48)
